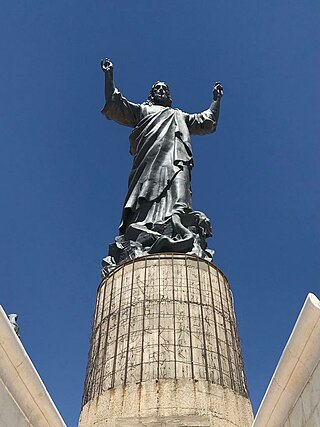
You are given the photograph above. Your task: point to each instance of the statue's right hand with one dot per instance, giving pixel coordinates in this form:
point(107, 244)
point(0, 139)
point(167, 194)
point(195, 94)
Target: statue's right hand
point(106, 65)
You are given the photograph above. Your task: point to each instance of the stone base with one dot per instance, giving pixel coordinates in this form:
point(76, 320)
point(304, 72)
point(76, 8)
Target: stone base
point(164, 348)
point(168, 403)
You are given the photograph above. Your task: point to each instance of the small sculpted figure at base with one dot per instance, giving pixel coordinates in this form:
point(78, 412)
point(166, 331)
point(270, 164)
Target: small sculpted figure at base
point(157, 213)
point(13, 318)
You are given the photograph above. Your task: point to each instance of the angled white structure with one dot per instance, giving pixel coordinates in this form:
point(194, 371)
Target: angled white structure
point(24, 400)
point(293, 396)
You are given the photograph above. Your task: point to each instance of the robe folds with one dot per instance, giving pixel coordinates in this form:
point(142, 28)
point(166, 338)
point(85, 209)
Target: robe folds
point(159, 182)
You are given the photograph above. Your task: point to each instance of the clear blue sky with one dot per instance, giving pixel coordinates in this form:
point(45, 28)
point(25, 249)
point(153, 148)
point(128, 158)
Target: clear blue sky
point(64, 168)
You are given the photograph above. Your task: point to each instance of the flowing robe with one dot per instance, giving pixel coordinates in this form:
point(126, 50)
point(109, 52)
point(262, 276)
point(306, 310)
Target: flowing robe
point(159, 182)
point(161, 146)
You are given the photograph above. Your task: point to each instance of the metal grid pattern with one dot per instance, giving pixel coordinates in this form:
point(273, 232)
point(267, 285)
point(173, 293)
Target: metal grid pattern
point(164, 316)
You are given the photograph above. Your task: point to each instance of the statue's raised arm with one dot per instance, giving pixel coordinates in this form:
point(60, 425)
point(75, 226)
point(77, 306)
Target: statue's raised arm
point(207, 121)
point(107, 68)
point(217, 95)
point(117, 107)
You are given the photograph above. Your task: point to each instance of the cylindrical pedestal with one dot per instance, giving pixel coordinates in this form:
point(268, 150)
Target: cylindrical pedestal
point(165, 348)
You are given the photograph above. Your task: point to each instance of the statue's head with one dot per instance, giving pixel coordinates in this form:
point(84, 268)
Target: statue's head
point(160, 94)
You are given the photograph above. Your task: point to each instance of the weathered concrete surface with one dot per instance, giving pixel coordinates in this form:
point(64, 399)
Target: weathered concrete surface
point(168, 403)
point(165, 344)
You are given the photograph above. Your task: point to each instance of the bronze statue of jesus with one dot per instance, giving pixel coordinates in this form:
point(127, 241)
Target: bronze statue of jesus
point(157, 214)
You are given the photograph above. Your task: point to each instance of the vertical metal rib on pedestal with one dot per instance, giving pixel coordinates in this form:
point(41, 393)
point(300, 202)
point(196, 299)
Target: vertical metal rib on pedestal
point(164, 316)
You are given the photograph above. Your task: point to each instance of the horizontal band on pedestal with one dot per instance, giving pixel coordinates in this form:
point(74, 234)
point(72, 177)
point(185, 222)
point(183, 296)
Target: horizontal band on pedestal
point(162, 255)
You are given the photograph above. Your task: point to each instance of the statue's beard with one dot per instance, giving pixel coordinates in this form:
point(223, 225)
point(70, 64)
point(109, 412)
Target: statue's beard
point(164, 100)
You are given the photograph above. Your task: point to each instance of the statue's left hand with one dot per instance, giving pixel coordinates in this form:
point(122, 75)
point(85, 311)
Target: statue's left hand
point(217, 91)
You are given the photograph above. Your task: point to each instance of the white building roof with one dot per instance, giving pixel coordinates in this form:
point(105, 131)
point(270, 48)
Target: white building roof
point(296, 366)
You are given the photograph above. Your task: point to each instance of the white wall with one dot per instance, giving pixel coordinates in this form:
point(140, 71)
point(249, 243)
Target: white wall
point(306, 410)
point(24, 400)
point(293, 395)
point(10, 413)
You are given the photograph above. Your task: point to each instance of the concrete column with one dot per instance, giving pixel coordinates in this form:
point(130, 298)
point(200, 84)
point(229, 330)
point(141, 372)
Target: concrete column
point(165, 348)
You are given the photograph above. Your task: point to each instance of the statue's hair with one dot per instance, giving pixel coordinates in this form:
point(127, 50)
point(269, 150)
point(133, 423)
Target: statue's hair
point(150, 100)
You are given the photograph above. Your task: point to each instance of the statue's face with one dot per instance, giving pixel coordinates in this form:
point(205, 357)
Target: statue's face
point(161, 94)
